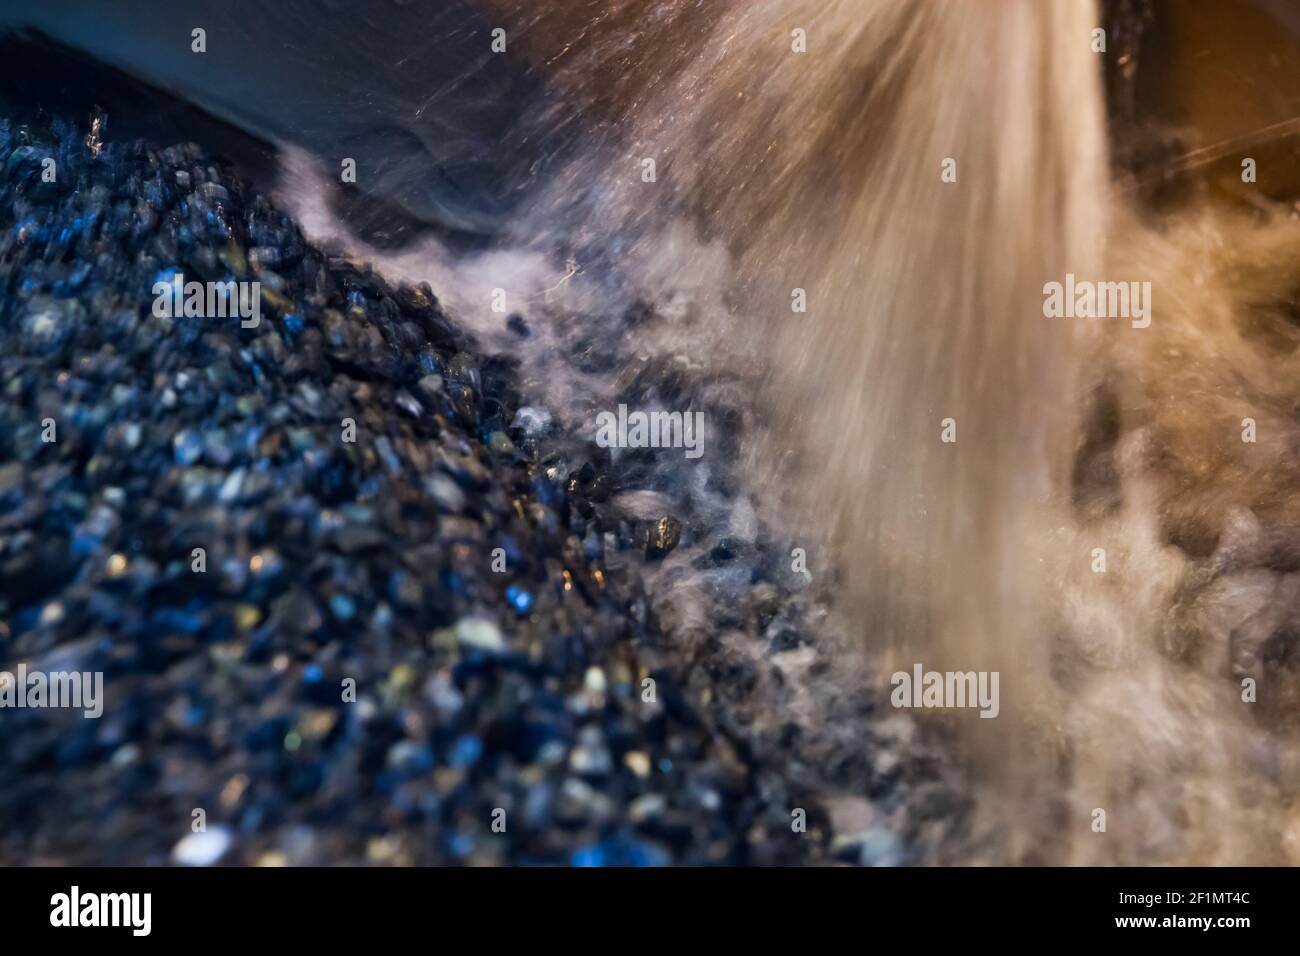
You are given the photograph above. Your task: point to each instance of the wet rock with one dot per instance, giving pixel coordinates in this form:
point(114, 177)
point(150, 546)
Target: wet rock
point(663, 536)
point(203, 849)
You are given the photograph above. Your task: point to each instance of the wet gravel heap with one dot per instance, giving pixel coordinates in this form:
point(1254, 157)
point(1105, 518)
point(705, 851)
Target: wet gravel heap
point(327, 562)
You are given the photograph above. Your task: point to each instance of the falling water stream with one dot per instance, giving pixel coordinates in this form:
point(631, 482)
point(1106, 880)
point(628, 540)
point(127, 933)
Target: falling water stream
point(778, 171)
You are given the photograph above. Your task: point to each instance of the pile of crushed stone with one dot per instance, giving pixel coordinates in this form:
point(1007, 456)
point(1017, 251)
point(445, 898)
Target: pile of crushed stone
point(431, 644)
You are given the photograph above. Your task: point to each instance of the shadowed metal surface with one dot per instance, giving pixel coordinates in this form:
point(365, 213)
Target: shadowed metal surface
point(411, 91)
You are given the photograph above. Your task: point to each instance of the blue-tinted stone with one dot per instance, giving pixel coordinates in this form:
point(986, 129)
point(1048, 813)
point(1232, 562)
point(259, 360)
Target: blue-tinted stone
point(519, 599)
